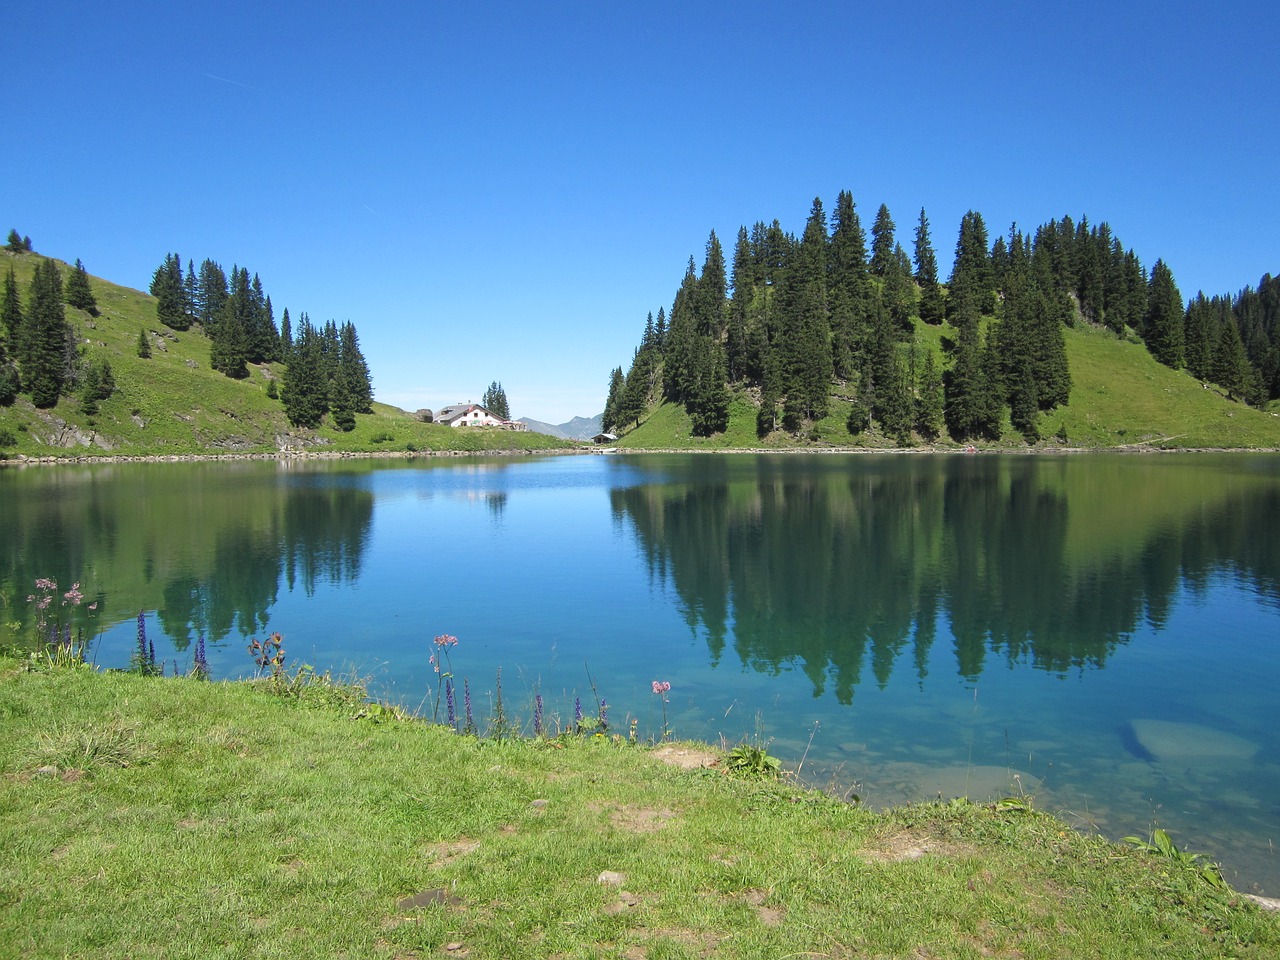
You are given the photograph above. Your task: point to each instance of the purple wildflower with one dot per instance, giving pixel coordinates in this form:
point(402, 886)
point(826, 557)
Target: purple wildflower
point(448, 699)
point(201, 661)
point(577, 713)
point(466, 703)
point(604, 714)
point(537, 715)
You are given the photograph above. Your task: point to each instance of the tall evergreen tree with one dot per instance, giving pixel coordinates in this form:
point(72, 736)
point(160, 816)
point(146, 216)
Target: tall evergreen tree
point(170, 293)
point(495, 401)
point(932, 307)
point(806, 363)
point(11, 311)
point(882, 242)
point(850, 297)
point(1162, 327)
point(1231, 369)
point(44, 336)
point(305, 393)
point(972, 278)
point(78, 293)
point(929, 405)
point(15, 243)
point(355, 370)
point(286, 336)
point(609, 422)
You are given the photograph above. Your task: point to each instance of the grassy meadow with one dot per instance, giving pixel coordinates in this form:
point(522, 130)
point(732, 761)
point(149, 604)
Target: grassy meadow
point(170, 817)
point(175, 404)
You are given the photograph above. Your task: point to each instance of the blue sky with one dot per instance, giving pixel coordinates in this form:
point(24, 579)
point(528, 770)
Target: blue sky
point(505, 190)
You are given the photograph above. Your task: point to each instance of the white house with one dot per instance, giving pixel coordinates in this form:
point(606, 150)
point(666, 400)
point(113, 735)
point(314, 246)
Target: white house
point(474, 415)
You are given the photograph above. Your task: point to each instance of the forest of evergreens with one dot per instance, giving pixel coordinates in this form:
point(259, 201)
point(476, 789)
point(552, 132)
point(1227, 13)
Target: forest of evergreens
point(796, 321)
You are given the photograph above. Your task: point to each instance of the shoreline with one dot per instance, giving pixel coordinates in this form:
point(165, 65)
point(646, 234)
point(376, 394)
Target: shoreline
point(23, 460)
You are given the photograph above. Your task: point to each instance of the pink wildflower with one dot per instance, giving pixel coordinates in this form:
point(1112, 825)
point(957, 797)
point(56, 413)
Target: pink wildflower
point(660, 687)
point(446, 640)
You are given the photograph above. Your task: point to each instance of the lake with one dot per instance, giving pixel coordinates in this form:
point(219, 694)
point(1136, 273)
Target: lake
point(1100, 631)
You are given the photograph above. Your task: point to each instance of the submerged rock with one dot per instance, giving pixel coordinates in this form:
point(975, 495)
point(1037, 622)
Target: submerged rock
point(1172, 742)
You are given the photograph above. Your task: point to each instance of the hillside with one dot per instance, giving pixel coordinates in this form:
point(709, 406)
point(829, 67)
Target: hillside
point(175, 404)
point(1120, 397)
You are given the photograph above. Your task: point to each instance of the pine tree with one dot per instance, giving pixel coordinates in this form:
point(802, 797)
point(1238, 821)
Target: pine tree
point(305, 393)
point(609, 422)
point(1162, 327)
point(11, 311)
point(805, 349)
point(971, 407)
point(286, 336)
point(1231, 369)
point(15, 243)
point(144, 345)
point(882, 242)
point(355, 370)
point(850, 293)
point(932, 307)
point(168, 289)
point(929, 405)
point(10, 383)
point(972, 277)
point(78, 293)
point(44, 337)
point(495, 401)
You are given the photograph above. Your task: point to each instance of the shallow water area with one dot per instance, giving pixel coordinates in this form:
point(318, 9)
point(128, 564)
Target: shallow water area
point(1101, 632)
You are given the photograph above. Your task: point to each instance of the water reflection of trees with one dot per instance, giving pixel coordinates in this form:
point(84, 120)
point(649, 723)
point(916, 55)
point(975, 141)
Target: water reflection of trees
point(839, 567)
point(204, 546)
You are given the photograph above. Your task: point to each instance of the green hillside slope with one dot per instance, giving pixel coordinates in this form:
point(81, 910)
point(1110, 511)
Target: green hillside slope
point(1120, 397)
point(175, 404)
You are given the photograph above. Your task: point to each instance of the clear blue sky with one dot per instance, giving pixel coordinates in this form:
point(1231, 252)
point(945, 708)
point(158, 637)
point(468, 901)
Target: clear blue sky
point(505, 190)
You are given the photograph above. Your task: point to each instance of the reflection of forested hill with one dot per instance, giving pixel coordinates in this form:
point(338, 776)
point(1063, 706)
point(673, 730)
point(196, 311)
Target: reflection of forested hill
point(204, 545)
point(829, 563)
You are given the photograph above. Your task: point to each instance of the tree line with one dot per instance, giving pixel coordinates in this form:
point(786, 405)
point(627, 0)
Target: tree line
point(39, 351)
point(325, 370)
point(795, 321)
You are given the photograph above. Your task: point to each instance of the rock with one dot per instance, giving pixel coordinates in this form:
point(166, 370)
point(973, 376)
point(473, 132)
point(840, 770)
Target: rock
point(1172, 742)
point(538, 804)
point(611, 878)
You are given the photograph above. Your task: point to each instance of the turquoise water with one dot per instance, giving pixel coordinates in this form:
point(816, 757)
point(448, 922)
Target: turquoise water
point(1101, 631)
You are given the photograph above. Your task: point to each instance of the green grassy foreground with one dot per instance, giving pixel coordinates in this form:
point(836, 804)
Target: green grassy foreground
point(145, 817)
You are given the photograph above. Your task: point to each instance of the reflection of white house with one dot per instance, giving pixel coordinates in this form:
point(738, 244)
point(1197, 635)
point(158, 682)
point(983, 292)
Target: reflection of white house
point(473, 415)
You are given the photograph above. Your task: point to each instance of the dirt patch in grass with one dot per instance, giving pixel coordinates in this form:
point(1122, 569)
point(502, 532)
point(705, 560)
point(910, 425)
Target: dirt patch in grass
point(447, 851)
point(640, 819)
point(770, 916)
point(686, 758)
point(911, 845)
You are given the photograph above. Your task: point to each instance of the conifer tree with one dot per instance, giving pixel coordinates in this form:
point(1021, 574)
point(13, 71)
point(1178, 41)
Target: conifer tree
point(972, 278)
point(932, 307)
point(15, 243)
point(11, 311)
point(849, 289)
point(305, 393)
point(144, 345)
point(286, 336)
point(495, 401)
point(806, 363)
point(1231, 369)
point(609, 422)
point(882, 242)
point(78, 293)
point(356, 370)
point(929, 405)
point(43, 353)
point(10, 383)
point(1162, 327)
point(170, 293)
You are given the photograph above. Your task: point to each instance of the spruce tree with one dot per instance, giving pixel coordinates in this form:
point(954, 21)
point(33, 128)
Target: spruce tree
point(286, 336)
point(168, 289)
point(356, 371)
point(1162, 327)
point(850, 294)
point(15, 243)
point(144, 345)
point(882, 242)
point(972, 278)
point(11, 312)
point(609, 421)
point(44, 336)
point(78, 293)
point(806, 367)
point(932, 307)
point(495, 401)
point(1231, 369)
point(929, 405)
point(305, 393)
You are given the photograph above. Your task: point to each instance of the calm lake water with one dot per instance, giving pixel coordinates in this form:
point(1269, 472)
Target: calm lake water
point(1101, 631)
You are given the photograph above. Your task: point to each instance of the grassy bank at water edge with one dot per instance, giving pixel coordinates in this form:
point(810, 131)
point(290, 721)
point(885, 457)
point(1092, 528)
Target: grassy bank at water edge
point(150, 817)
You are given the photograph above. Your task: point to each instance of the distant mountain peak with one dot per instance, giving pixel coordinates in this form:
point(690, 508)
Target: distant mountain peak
point(579, 428)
